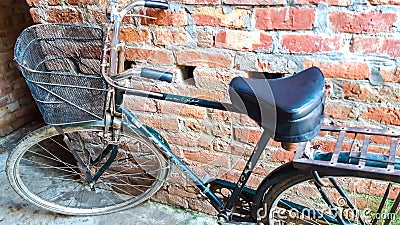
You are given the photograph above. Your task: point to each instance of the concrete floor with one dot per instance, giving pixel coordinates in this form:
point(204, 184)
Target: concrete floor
point(15, 210)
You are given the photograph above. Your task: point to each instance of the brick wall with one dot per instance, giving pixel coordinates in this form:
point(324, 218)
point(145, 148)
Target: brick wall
point(16, 104)
point(207, 42)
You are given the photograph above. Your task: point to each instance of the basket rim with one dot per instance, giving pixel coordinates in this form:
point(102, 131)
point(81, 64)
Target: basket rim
point(17, 46)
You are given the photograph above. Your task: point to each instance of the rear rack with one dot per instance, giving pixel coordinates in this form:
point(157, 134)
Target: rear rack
point(358, 158)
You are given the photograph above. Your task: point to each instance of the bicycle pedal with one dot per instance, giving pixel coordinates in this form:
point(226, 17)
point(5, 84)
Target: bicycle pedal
point(242, 210)
point(229, 185)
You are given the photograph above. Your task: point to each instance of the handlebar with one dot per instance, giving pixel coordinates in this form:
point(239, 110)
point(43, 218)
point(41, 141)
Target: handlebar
point(156, 75)
point(146, 73)
point(117, 13)
point(156, 4)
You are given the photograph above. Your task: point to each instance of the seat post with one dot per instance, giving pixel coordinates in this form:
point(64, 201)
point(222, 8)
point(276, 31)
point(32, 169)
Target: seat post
point(251, 163)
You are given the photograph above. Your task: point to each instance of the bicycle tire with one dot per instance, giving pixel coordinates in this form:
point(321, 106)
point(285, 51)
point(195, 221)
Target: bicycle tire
point(43, 172)
point(296, 186)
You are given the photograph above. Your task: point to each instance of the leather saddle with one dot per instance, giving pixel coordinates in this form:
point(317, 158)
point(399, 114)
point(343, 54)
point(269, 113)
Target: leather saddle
point(290, 109)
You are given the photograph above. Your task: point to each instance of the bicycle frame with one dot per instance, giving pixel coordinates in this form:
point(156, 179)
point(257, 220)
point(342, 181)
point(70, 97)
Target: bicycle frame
point(116, 60)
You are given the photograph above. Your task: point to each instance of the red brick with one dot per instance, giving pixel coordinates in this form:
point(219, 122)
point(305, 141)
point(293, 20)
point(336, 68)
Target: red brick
point(192, 111)
point(367, 45)
point(160, 122)
point(336, 110)
point(243, 40)
point(384, 2)
point(5, 89)
point(165, 17)
point(48, 2)
point(181, 109)
point(205, 38)
point(212, 79)
point(140, 104)
point(354, 91)
point(391, 75)
point(238, 164)
point(330, 2)
point(239, 150)
point(284, 18)
point(255, 2)
point(181, 191)
point(6, 129)
point(220, 116)
point(148, 85)
point(244, 120)
point(199, 58)
point(365, 93)
point(200, 2)
point(384, 115)
point(195, 125)
point(211, 16)
point(65, 15)
point(138, 35)
point(81, 2)
point(347, 70)
point(367, 22)
point(212, 159)
point(247, 135)
point(163, 196)
point(33, 2)
point(328, 145)
point(35, 15)
point(97, 16)
point(306, 43)
point(183, 139)
point(150, 55)
point(202, 206)
point(281, 156)
point(168, 37)
point(263, 168)
point(213, 95)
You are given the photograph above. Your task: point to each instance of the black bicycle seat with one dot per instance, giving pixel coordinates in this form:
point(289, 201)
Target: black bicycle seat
point(291, 108)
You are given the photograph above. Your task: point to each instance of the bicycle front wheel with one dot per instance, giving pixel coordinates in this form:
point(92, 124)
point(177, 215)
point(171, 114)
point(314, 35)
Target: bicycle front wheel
point(42, 170)
point(299, 199)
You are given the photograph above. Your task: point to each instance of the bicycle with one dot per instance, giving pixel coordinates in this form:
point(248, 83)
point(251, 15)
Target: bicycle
point(96, 157)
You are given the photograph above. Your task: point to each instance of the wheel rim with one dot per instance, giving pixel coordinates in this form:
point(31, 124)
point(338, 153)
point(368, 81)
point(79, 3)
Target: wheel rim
point(132, 177)
point(365, 194)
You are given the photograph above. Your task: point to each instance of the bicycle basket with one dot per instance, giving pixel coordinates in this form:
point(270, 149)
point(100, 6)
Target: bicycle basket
point(61, 65)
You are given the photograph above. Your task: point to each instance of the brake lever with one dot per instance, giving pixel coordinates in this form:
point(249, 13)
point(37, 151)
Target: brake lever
point(140, 15)
point(132, 72)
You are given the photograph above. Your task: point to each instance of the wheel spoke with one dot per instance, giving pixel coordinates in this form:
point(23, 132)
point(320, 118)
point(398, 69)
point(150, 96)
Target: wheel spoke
point(55, 159)
point(43, 170)
point(294, 199)
point(49, 166)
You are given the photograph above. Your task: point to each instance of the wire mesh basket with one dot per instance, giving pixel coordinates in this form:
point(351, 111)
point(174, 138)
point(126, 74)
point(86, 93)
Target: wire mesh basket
point(61, 65)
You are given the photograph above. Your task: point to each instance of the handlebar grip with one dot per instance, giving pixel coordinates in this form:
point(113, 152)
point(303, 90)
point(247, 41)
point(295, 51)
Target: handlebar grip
point(156, 4)
point(156, 75)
